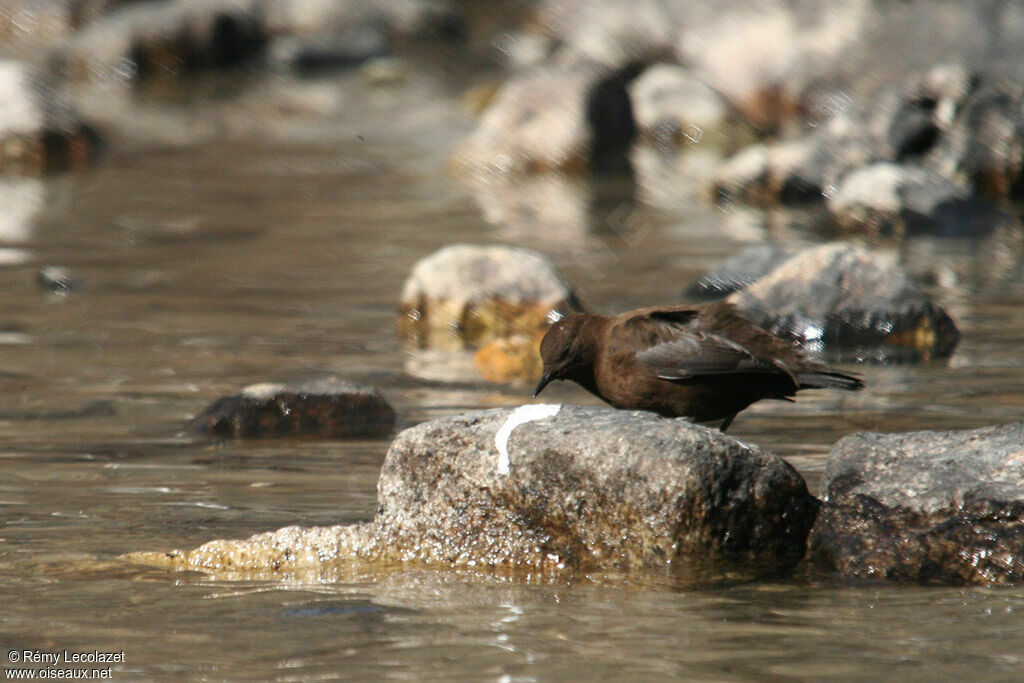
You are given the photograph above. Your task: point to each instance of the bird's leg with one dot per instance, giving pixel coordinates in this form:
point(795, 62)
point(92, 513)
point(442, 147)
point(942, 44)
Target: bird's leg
point(726, 422)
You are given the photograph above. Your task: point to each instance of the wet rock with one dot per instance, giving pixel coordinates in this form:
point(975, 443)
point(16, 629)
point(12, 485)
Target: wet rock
point(737, 272)
point(850, 302)
point(547, 488)
point(465, 296)
point(326, 408)
point(39, 130)
point(887, 199)
point(552, 118)
point(925, 507)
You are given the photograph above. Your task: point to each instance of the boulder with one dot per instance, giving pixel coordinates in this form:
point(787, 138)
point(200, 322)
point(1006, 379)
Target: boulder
point(40, 131)
point(852, 303)
point(464, 296)
point(326, 408)
point(925, 507)
point(550, 489)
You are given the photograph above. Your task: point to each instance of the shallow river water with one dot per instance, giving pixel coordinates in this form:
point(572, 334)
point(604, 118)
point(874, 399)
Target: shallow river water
point(248, 255)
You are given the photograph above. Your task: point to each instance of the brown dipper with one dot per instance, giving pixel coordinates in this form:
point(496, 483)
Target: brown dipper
point(703, 362)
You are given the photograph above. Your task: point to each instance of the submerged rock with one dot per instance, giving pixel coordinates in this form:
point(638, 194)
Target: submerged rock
point(326, 408)
point(555, 488)
point(463, 297)
point(850, 302)
point(925, 507)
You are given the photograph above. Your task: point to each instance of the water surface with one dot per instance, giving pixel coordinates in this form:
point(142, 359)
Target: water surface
point(274, 250)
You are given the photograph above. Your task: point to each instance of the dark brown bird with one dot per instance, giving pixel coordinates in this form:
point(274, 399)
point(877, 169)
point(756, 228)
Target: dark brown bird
point(703, 363)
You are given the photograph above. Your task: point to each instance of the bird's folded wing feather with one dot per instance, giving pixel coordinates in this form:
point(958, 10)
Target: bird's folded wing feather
point(669, 345)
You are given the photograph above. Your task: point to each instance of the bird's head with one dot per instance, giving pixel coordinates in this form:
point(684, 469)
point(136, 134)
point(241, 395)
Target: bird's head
point(561, 350)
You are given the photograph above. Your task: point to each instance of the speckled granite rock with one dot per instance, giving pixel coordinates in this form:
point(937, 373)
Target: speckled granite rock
point(925, 507)
point(554, 488)
point(326, 408)
point(850, 302)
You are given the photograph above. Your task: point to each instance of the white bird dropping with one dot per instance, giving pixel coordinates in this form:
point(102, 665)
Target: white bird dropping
point(521, 415)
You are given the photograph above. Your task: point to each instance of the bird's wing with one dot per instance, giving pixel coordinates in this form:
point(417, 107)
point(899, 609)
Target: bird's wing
point(685, 342)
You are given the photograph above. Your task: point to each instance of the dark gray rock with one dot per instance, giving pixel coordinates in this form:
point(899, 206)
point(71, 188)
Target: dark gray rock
point(737, 272)
point(888, 199)
point(925, 507)
point(547, 488)
point(851, 303)
point(326, 408)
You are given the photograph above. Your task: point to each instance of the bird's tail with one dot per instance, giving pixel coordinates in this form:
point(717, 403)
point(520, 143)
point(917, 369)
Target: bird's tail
point(830, 379)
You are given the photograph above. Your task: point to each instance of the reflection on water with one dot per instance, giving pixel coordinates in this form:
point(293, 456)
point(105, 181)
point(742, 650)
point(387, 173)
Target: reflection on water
point(212, 266)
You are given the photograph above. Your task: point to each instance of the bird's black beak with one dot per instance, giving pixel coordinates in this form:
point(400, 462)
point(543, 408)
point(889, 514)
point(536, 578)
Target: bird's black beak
point(542, 383)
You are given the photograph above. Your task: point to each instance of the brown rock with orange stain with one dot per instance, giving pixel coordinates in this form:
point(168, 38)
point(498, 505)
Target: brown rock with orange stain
point(512, 359)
